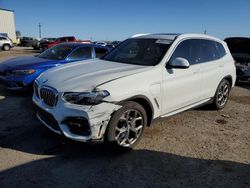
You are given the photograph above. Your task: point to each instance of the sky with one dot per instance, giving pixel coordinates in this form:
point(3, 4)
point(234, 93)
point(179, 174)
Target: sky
point(120, 19)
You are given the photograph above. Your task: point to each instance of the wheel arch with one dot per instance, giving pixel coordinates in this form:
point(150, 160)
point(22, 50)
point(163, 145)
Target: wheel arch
point(145, 103)
point(229, 79)
point(6, 44)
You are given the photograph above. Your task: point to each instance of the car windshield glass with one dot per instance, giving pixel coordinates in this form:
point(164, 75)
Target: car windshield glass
point(139, 51)
point(58, 52)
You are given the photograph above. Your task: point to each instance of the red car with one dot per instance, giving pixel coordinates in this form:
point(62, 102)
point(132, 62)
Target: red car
point(66, 39)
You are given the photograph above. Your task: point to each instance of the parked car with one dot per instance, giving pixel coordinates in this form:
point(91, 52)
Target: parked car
point(43, 43)
point(115, 43)
point(27, 41)
point(67, 39)
point(240, 49)
point(110, 45)
point(100, 43)
point(115, 97)
point(19, 73)
point(5, 43)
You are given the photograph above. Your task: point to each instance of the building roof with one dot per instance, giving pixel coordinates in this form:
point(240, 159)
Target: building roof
point(6, 10)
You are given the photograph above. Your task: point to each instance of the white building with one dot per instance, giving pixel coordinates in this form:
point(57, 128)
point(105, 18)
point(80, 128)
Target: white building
point(7, 24)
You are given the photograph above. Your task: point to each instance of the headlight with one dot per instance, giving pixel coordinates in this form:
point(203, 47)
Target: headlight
point(23, 72)
point(86, 98)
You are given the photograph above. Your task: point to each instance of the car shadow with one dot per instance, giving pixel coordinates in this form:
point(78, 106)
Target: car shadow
point(99, 166)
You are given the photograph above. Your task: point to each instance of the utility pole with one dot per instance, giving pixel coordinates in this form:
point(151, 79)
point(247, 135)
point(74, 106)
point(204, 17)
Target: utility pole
point(40, 30)
point(205, 32)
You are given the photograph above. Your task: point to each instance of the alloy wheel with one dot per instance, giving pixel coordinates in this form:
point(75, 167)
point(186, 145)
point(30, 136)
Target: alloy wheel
point(222, 95)
point(129, 128)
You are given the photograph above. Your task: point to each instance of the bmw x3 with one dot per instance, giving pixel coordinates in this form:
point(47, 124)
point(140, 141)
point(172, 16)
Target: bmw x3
point(145, 77)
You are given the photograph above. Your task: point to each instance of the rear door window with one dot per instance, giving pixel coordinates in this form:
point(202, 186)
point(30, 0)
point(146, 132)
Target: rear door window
point(208, 50)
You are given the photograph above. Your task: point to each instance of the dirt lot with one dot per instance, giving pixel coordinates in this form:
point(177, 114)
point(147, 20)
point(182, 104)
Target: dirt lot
point(197, 148)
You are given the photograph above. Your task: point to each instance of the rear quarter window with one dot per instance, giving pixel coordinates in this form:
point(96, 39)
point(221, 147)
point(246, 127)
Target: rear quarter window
point(221, 49)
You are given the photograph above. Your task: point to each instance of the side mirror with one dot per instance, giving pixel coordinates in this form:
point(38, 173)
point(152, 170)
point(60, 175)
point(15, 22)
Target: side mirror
point(179, 63)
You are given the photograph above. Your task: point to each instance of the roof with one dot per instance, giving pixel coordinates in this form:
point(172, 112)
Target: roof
point(6, 10)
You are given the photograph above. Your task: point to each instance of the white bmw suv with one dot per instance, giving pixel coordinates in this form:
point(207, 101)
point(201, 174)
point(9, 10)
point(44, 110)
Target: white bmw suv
point(147, 76)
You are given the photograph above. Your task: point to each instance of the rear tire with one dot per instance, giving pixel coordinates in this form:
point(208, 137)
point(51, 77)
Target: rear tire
point(127, 125)
point(6, 47)
point(221, 95)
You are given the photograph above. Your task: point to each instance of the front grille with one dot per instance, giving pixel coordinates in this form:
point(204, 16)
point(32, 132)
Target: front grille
point(49, 96)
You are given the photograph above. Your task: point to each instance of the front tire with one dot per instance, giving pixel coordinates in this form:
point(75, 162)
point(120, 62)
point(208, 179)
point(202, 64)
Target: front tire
point(127, 125)
point(221, 95)
point(6, 47)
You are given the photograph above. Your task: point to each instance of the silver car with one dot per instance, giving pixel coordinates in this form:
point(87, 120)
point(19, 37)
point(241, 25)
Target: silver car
point(5, 43)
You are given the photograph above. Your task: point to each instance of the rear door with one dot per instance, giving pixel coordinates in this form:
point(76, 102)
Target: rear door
point(181, 87)
point(212, 66)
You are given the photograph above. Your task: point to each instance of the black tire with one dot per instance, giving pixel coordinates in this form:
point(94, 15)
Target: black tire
point(117, 120)
point(217, 103)
point(6, 47)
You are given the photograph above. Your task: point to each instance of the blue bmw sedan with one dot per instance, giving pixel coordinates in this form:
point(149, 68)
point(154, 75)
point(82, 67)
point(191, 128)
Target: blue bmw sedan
point(19, 73)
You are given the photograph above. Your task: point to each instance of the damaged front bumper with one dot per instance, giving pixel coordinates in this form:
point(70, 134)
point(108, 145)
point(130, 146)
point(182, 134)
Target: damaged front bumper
point(77, 122)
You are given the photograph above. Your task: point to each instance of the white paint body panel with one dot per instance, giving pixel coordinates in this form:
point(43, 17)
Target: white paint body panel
point(169, 91)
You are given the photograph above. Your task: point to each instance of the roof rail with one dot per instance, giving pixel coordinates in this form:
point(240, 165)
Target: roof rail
point(139, 34)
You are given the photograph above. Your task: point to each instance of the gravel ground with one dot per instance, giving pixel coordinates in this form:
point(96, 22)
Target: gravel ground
point(197, 148)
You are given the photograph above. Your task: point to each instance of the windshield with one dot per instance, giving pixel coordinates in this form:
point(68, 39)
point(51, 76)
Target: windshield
point(58, 52)
point(139, 51)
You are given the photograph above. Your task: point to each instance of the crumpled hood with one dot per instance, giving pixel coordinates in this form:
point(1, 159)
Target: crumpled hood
point(86, 75)
point(27, 62)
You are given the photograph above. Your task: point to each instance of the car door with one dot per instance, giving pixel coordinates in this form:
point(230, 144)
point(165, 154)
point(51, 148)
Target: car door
point(212, 66)
point(181, 87)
